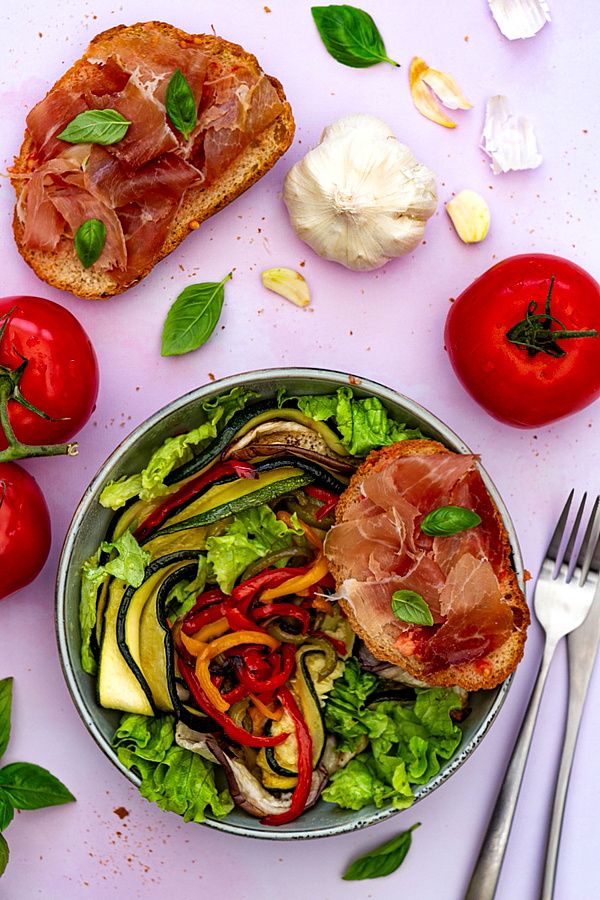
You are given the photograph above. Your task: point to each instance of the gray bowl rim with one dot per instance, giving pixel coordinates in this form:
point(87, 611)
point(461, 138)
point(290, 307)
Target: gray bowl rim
point(271, 375)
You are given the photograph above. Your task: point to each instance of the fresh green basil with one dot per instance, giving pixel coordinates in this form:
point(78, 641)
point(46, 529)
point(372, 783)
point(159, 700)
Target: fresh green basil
point(90, 238)
point(350, 35)
point(5, 705)
point(3, 854)
point(411, 607)
point(180, 104)
point(193, 317)
point(96, 126)
point(447, 520)
point(383, 860)
point(7, 811)
point(28, 786)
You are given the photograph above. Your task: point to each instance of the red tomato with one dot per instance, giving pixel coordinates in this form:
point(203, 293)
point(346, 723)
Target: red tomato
point(61, 375)
point(24, 529)
point(515, 385)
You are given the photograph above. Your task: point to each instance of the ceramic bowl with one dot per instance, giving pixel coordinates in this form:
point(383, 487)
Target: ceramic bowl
point(89, 526)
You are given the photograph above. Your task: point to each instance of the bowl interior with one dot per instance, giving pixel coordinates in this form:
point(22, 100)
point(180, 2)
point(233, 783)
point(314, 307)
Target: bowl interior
point(88, 528)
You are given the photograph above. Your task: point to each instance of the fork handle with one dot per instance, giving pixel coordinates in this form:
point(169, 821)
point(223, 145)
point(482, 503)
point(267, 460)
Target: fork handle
point(486, 873)
point(562, 783)
point(582, 645)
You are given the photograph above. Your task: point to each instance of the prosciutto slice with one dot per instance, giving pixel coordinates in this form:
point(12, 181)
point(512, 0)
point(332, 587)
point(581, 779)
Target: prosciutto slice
point(381, 549)
point(136, 186)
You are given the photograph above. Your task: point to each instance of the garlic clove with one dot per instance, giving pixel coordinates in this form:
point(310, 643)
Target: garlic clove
point(422, 97)
point(288, 284)
point(507, 139)
point(470, 216)
point(446, 89)
point(520, 18)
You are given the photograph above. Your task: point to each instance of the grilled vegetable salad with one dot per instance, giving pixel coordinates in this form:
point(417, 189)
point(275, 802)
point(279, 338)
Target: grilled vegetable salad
point(208, 618)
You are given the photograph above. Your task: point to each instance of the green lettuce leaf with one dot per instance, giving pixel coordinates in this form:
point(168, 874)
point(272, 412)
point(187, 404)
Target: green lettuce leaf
point(253, 533)
point(175, 779)
point(128, 563)
point(407, 742)
point(346, 705)
point(149, 483)
point(363, 424)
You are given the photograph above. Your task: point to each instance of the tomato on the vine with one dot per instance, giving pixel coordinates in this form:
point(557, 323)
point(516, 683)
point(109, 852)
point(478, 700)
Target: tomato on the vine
point(24, 528)
point(524, 339)
point(48, 354)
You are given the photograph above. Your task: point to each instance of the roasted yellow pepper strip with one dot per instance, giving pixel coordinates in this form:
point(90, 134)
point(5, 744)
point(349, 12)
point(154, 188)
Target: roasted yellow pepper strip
point(212, 694)
point(298, 582)
point(264, 709)
point(196, 643)
point(233, 639)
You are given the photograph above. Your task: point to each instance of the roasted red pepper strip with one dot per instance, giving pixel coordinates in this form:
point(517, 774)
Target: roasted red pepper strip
point(239, 692)
point(194, 621)
point(338, 646)
point(187, 491)
point(270, 578)
point(261, 686)
point(205, 599)
point(327, 498)
point(304, 741)
point(290, 610)
point(237, 615)
point(240, 735)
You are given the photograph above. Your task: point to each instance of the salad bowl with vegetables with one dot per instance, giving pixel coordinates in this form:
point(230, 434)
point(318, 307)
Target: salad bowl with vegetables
point(199, 628)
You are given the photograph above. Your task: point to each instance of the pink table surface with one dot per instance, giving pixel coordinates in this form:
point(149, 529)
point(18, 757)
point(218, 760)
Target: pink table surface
point(385, 325)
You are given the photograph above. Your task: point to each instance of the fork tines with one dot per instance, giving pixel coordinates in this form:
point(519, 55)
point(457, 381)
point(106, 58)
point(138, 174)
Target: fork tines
point(562, 553)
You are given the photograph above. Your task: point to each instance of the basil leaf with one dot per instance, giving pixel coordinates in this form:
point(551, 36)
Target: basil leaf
point(5, 706)
point(193, 317)
point(7, 811)
point(350, 36)
point(382, 861)
point(410, 607)
point(3, 854)
point(31, 787)
point(96, 126)
point(180, 104)
point(90, 238)
point(447, 520)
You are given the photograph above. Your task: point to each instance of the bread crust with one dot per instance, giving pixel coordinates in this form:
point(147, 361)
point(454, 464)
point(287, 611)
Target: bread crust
point(62, 269)
point(474, 676)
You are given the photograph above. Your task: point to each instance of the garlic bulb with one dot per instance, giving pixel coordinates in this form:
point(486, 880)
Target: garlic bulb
point(360, 197)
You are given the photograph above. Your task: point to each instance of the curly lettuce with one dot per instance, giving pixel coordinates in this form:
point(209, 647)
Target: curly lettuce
point(174, 778)
point(252, 534)
point(363, 424)
point(127, 562)
point(407, 742)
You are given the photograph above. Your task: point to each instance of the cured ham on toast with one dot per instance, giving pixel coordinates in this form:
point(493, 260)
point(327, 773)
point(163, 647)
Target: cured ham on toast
point(377, 547)
point(155, 184)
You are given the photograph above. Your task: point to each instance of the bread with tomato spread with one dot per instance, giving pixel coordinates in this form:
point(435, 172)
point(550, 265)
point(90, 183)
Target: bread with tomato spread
point(480, 615)
point(154, 186)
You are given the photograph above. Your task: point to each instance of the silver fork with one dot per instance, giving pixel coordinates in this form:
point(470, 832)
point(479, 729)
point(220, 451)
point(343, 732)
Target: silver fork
point(562, 598)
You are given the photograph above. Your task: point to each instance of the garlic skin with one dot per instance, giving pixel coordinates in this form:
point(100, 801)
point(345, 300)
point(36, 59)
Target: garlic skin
point(360, 198)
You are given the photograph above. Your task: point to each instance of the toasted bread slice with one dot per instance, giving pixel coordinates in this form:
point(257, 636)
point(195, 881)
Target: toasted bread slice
point(474, 676)
point(62, 269)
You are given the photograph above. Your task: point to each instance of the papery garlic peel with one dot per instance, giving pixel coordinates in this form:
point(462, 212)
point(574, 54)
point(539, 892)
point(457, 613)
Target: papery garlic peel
point(287, 283)
point(424, 80)
point(520, 18)
point(360, 198)
point(507, 139)
point(470, 216)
